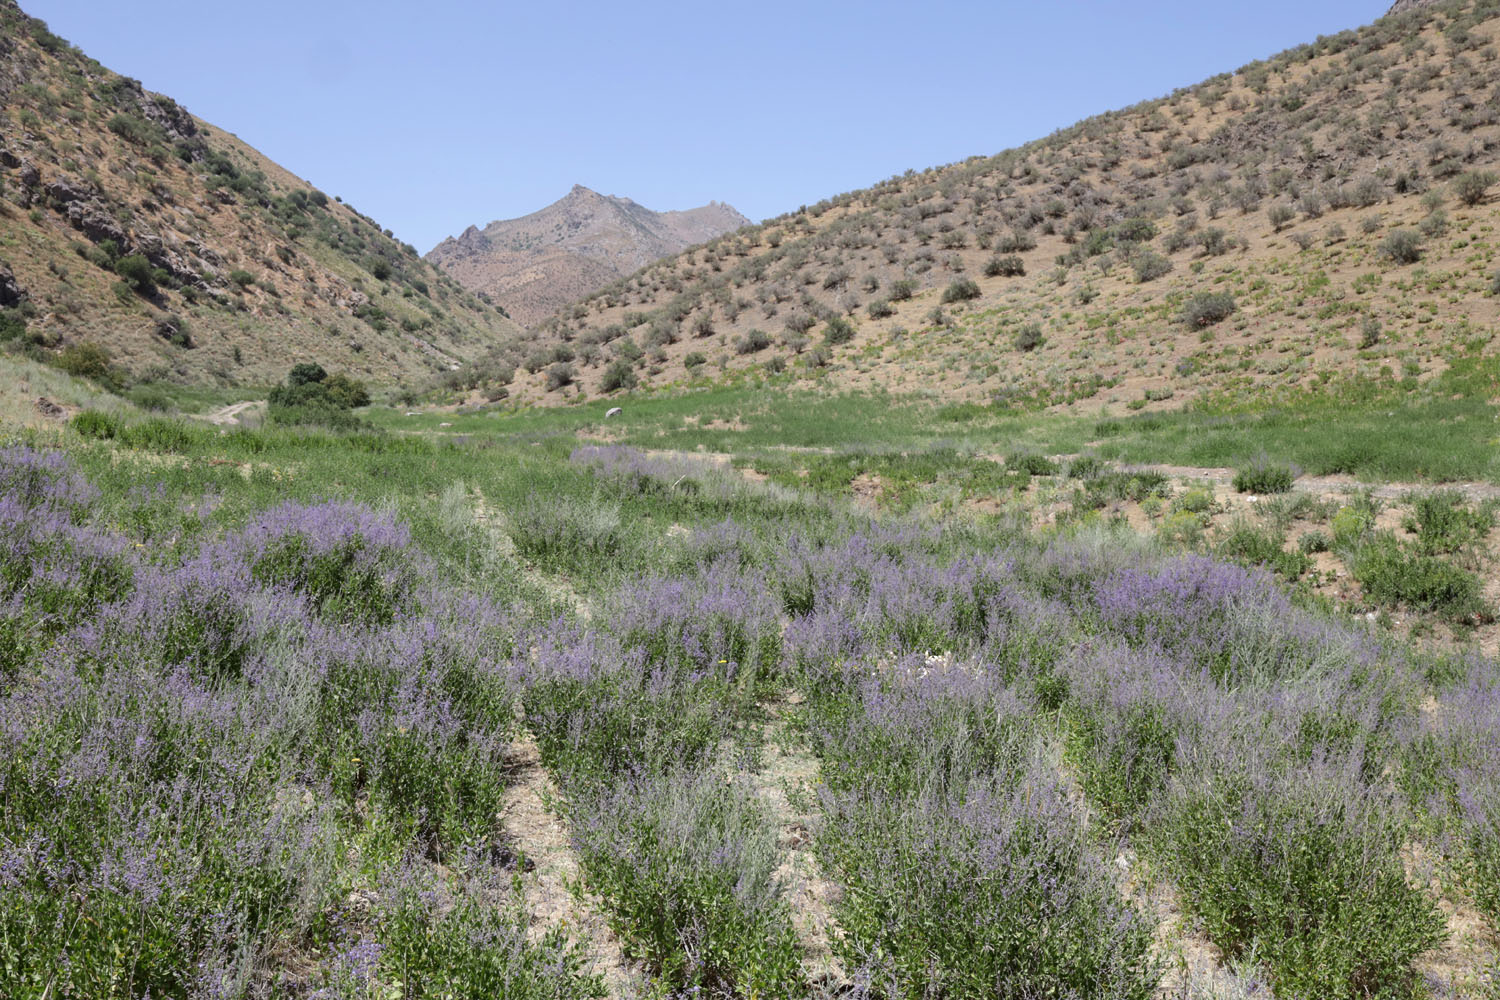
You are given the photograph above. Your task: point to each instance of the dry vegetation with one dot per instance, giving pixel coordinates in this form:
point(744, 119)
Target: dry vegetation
point(130, 225)
point(1324, 213)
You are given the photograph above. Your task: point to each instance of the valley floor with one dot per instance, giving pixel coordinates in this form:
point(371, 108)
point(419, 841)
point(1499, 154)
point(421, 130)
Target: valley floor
point(774, 698)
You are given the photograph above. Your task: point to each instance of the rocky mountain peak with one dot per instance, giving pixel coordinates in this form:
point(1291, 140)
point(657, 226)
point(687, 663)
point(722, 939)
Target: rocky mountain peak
point(536, 264)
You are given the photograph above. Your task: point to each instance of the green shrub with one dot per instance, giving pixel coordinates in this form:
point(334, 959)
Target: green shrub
point(95, 424)
point(1029, 337)
point(1313, 541)
point(241, 278)
point(1149, 266)
point(1207, 308)
point(838, 331)
point(1403, 246)
point(1264, 478)
point(752, 342)
point(1032, 465)
point(880, 309)
point(1246, 544)
point(621, 375)
point(961, 290)
point(1392, 575)
point(1194, 501)
point(903, 289)
point(1307, 881)
point(87, 360)
point(139, 274)
point(1472, 186)
point(559, 375)
point(1010, 266)
point(1444, 524)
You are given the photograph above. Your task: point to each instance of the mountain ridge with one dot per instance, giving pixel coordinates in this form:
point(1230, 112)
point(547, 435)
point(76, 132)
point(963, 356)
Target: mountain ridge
point(1320, 214)
point(140, 233)
point(537, 263)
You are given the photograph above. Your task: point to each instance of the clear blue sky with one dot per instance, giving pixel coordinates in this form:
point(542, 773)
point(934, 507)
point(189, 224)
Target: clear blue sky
point(435, 114)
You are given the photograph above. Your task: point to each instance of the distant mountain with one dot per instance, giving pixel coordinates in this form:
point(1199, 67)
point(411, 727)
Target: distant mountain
point(535, 265)
point(126, 223)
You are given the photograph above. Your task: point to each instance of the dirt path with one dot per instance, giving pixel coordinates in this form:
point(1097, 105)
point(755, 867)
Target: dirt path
point(552, 888)
point(229, 416)
point(785, 784)
point(1331, 485)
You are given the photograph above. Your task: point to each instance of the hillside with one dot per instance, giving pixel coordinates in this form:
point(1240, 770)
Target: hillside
point(537, 264)
point(129, 224)
point(1335, 201)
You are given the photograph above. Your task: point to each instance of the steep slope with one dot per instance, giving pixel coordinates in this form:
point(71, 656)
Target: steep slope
point(539, 263)
point(1337, 198)
point(131, 225)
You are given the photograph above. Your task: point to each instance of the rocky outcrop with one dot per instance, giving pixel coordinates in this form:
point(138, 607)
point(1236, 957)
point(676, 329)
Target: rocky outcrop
point(535, 265)
point(11, 292)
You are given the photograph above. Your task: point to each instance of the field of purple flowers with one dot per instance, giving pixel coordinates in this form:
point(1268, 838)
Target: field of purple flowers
point(256, 741)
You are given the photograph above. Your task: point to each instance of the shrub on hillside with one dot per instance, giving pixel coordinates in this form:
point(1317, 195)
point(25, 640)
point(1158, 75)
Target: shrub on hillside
point(961, 290)
point(1009, 266)
point(1029, 337)
point(619, 375)
point(903, 289)
point(1403, 246)
point(1472, 186)
point(87, 360)
point(1208, 308)
point(838, 331)
point(1150, 265)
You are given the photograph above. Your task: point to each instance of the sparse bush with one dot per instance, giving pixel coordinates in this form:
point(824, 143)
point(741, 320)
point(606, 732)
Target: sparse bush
point(880, 309)
point(1280, 214)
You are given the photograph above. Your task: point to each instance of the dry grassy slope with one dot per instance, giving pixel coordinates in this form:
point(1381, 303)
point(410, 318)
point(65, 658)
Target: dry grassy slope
point(1357, 135)
point(88, 157)
point(540, 262)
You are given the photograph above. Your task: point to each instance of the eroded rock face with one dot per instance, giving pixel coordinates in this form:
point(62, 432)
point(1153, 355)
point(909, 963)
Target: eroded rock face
point(11, 292)
point(94, 221)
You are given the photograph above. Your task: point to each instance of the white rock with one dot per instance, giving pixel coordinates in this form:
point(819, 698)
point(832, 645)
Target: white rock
point(613, 411)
